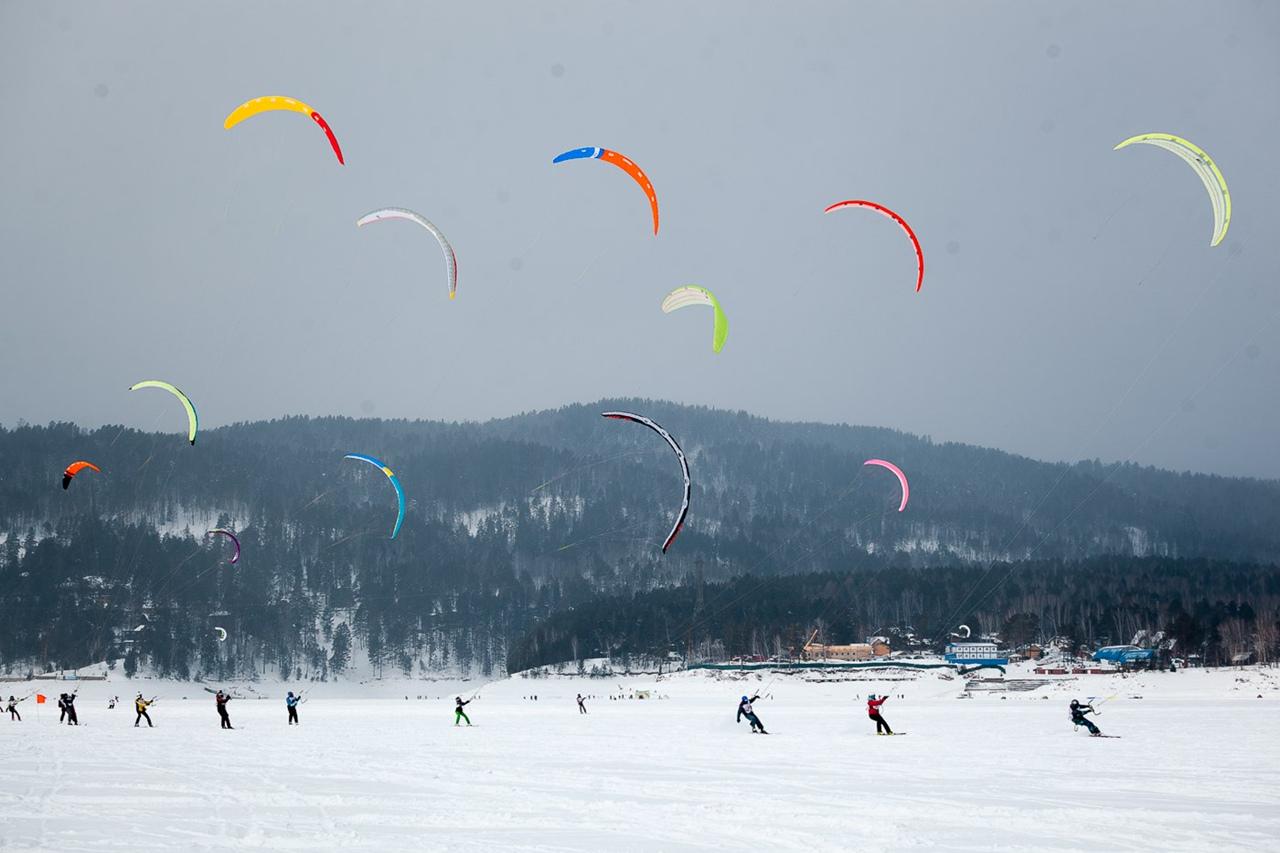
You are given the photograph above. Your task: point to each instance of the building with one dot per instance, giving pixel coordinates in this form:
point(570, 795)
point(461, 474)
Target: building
point(1124, 654)
point(975, 652)
point(850, 651)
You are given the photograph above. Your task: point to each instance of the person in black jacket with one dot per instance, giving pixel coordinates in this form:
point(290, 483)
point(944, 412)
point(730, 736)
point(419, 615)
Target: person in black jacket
point(1077, 717)
point(745, 710)
point(62, 707)
point(459, 714)
point(70, 702)
point(582, 704)
point(221, 699)
point(13, 709)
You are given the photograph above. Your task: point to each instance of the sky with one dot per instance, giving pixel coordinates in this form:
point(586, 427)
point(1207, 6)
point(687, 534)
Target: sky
point(1072, 306)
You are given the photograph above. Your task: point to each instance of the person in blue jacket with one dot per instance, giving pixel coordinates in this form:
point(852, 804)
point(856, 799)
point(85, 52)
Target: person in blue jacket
point(291, 702)
point(745, 710)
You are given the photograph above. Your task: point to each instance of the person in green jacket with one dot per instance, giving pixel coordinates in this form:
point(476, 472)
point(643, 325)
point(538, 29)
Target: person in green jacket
point(459, 714)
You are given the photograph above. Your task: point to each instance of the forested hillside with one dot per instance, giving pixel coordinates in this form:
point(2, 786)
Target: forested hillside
point(513, 520)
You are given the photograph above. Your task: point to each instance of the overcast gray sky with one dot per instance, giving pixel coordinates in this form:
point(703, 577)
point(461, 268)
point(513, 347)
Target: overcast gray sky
point(1072, 306)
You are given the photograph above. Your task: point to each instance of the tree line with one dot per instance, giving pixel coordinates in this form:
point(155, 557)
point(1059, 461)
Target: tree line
point(1213, 610)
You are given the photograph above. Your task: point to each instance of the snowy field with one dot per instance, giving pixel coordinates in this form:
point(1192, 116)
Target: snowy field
point(1197, 767)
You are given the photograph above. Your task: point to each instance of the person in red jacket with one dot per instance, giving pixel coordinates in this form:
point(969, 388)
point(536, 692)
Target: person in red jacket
point(873, 711)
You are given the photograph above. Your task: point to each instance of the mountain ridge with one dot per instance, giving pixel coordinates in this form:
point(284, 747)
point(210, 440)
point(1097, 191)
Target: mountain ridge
point(512, 520)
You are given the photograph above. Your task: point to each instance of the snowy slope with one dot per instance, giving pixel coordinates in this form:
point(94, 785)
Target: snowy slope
point(1195, 769)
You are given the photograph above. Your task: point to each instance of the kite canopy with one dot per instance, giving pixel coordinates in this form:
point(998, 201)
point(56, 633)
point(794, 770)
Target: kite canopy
point(966, 633)
point(1210, 175)
point(683, 297)
point(902, 479)
point(637, 174)
point(227, 533)
point(395, 482)
point(222, 633)
point(450, 259)
point(270, 103)
point(684, 468)
point(75, 468)
point(193, 420)
point(902, 223)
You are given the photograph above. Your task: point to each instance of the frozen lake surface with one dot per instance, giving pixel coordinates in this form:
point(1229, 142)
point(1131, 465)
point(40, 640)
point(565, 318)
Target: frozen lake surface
point(1197, 767)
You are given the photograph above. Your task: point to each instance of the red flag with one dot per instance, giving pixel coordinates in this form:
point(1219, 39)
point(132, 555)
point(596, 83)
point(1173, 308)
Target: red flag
point(40, 698)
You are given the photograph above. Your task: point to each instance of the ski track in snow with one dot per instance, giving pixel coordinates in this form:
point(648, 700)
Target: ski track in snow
point(1195, 769)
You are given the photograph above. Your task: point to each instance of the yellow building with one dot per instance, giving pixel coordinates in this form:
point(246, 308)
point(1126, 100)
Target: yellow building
point(851, 651)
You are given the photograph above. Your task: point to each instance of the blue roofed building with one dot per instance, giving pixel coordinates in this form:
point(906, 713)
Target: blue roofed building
point(1124, 654)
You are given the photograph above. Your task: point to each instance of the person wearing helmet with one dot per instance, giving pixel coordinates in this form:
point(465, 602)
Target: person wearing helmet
point(141, 705)
point(1078, 712)
point(873, 711)
point(459, 714)
point(291, 702)
point(13, 709)
point(582, 704)
point(70, 707)
point(745, 710)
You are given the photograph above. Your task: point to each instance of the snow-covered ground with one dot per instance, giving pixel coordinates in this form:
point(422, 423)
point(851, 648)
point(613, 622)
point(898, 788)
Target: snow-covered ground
point(1197, 767)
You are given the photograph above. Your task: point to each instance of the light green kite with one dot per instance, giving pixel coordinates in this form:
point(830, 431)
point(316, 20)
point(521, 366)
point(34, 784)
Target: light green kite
point(193, 420)
point(1195, 157)
point(683, 297)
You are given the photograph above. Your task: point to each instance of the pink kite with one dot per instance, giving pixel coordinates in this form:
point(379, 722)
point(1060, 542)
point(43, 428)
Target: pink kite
point(902, 478)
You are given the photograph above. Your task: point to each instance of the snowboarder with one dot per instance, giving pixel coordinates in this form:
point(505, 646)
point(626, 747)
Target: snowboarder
point(70, 703)
point(582, 704)
point(1078, 719)
point(13, 709)
point(873, 711)
point(744, 710)
point(140, 705)
point(459, 714)
point(221, 699)
point(291, 702)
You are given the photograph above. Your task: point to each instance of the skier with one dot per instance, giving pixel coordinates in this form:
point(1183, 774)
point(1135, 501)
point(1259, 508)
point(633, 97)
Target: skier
point(291, 702)
point(1078, 719)
point(582, 707)
point(13, 709)
point(459, 714)
point(62, 707)
point(72, 718)
point(111, 703)
point(221, 699)
point(744, 710)
point(140, 705)
point(873, 711)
